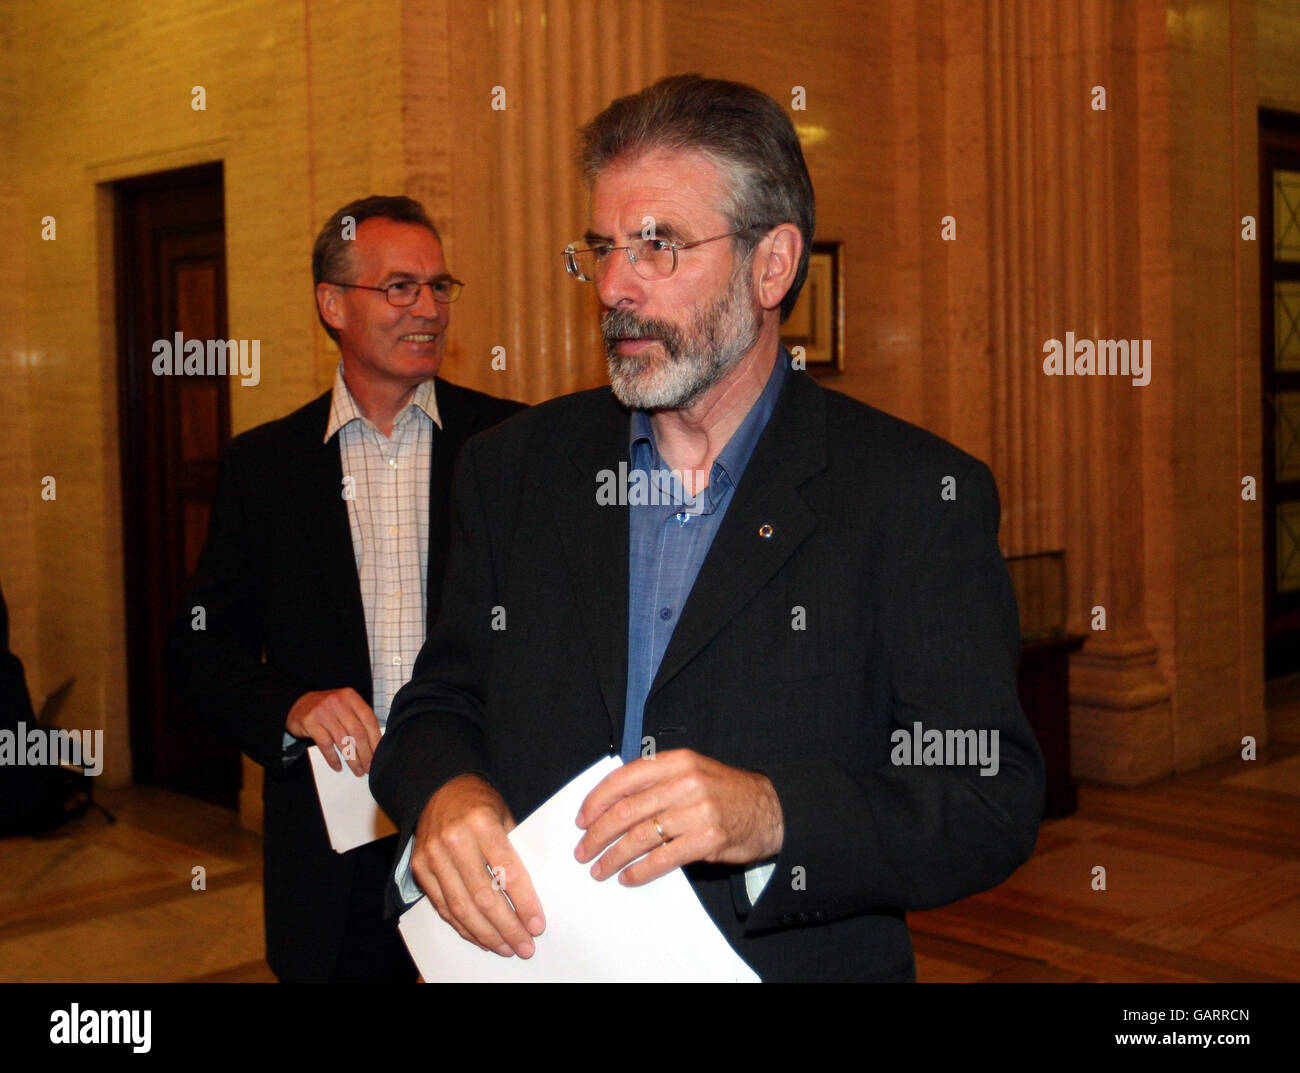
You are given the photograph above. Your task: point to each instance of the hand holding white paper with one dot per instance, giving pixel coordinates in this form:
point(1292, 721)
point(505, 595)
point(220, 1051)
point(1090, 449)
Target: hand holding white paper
point(597, 932)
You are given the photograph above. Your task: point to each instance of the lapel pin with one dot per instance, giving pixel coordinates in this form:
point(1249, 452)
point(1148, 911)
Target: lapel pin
point(765, 531)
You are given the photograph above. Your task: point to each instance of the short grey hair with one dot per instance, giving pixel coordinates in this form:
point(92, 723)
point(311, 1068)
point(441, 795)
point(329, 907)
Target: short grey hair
point(331, 256)
point(740, 129)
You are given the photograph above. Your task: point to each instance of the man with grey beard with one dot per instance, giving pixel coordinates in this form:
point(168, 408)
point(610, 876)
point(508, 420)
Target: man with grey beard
point(748, 636)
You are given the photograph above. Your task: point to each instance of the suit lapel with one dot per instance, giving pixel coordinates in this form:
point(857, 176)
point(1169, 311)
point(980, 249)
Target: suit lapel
point(741, 559)
point(595, 542)
point(446, 444)
point(322, 514)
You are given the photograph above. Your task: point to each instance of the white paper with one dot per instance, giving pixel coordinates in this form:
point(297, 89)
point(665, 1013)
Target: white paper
point(596, 932)
point(352, 816)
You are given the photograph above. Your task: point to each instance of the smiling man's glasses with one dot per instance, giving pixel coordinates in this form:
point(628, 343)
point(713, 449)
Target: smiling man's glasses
point(406, 292)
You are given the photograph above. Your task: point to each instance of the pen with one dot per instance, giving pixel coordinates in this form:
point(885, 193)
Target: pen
point(499, 885)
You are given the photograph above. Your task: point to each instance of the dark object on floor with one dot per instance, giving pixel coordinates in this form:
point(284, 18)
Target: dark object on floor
point(35, 798)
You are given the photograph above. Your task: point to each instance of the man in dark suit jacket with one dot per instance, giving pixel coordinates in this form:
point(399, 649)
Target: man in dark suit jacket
point(287, 656)
point(776, 682)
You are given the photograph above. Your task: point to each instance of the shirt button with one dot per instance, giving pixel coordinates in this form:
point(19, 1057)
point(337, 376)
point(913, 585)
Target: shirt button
point(393, 462)
point(665, 613)
point(397, 595)
point(397, 660)
point(393, 530)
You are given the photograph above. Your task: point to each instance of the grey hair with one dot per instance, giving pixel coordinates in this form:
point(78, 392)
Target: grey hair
point(741, 130)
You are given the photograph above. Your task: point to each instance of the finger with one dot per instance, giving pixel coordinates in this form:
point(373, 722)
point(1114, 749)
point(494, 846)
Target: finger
point(677, 853)
point(622, 817)
point(640, 839)
point(429, 884)
point(324, 742)
point(693, 844)
point(365, 716)
point(357, 742)
point(629, 779)
point(460, 930)
point(514, 879)
point(504, 892)
point(332, 717)
point(633, 778)
point(468, 903)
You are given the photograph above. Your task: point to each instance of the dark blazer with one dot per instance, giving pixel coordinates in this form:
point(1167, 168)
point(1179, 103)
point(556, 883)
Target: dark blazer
point(278, 575)
point(909, 616)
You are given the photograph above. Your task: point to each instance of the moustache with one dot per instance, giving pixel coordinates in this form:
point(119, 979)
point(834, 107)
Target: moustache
point(618, 324)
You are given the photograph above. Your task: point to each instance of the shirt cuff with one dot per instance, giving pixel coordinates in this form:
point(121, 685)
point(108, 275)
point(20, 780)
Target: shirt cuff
point(407, 887)
point(756, 880)
point(292, 748)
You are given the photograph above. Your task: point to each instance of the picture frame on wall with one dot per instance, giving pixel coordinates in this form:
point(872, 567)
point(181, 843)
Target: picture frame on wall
point(817, 321)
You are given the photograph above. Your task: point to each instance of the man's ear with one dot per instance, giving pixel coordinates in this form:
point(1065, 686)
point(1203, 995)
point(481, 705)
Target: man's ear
point(331, 309)
point(776, 263)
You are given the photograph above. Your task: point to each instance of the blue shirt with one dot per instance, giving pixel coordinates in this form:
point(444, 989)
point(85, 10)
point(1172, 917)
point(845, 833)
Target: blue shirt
point(669, 535)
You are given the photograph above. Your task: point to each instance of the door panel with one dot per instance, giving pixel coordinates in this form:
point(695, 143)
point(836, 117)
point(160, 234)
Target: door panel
point(171, 278)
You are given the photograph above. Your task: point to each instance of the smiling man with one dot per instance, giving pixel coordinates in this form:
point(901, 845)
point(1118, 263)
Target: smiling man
point(748, 640)
point(325, 552)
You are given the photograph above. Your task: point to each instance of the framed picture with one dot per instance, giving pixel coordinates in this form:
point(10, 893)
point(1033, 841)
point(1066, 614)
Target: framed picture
point(817, 321)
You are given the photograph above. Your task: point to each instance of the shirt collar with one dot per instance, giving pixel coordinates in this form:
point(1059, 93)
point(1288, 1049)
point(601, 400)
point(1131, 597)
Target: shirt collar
point(734, 456)
point(344, 409)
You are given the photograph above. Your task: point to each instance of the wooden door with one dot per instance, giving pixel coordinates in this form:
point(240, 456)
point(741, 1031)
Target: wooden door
point(171, 278)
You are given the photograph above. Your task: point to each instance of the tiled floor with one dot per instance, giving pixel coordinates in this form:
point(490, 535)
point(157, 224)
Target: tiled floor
point(1202, 883)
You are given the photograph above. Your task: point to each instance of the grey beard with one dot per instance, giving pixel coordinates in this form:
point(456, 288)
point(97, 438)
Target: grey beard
point(696, 357)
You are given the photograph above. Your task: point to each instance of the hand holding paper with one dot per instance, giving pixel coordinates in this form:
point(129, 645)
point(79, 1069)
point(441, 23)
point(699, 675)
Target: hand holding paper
point(466, 864)
point(594, 931)
point(336, 718)
point(674, 808)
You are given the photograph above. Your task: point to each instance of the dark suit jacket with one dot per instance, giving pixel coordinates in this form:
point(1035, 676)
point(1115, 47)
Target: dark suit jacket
point(278, 574)
point(909, 617)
